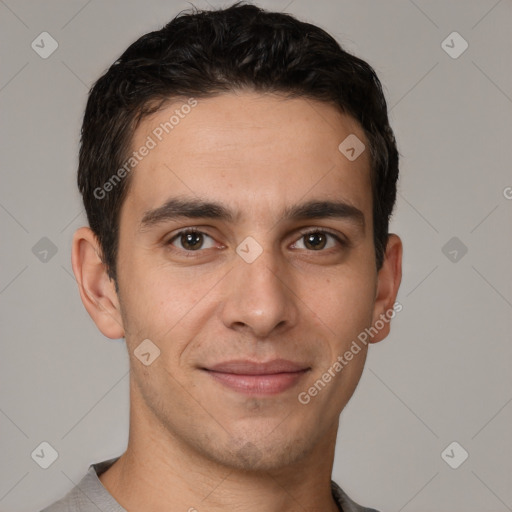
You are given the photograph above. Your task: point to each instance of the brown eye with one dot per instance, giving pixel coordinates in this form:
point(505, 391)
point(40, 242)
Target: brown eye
point(315, 241)
point(191, 241)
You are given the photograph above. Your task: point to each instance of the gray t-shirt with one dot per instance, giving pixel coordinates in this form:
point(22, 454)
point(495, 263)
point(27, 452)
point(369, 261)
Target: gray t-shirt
point(91, 496)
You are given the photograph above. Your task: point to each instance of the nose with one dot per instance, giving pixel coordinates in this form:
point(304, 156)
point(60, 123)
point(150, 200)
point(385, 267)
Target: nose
point(259, 298)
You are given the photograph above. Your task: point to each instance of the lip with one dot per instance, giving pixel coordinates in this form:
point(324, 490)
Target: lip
point(258, 378)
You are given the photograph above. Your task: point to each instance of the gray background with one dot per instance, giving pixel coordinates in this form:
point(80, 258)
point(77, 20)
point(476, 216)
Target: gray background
point(443, 375)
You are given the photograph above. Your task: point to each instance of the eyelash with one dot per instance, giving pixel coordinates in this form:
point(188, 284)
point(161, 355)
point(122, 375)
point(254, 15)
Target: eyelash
point(340, 240)
point(303, 233)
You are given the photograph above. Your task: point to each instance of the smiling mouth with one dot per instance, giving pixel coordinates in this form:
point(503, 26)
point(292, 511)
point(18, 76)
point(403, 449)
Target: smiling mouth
point(254, 378)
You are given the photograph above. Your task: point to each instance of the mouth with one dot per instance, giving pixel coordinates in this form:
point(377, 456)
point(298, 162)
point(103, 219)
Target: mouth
point(255, 378)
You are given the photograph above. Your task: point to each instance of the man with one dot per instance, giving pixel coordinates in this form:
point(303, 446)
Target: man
point(238, 172)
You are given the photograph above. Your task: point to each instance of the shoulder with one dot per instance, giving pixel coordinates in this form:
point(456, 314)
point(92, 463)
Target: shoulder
point(345, 503)
point(69, 503)
point(88, 495)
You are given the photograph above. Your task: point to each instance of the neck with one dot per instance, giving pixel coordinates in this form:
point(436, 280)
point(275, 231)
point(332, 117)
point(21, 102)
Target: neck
point(159, 472)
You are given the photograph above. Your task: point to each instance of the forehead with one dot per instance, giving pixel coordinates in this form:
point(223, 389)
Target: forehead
point(255, 152)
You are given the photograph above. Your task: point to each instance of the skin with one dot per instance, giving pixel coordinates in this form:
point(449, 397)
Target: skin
point(194, 442)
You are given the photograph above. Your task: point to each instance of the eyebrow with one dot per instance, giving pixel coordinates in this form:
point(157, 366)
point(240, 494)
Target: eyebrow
point(326, 209)
point(191, 208)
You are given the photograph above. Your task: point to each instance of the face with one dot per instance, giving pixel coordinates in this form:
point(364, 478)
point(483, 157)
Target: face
point(246, 256)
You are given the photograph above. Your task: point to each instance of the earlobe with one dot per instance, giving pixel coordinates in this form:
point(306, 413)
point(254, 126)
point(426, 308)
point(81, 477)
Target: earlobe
point(97, 290)
point(388, 283)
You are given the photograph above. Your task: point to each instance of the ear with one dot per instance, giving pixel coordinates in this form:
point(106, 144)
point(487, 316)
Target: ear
point(388, 282)
point(97, 290)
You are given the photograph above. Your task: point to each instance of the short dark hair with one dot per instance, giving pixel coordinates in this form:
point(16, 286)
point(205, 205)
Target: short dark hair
point(202, 53)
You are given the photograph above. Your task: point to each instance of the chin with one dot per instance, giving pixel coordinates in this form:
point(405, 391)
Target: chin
point(262, 455)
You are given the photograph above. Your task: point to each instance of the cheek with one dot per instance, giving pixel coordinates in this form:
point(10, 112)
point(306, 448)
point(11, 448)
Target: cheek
point(343, 301)
point(345, 306)
point(163, 305)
